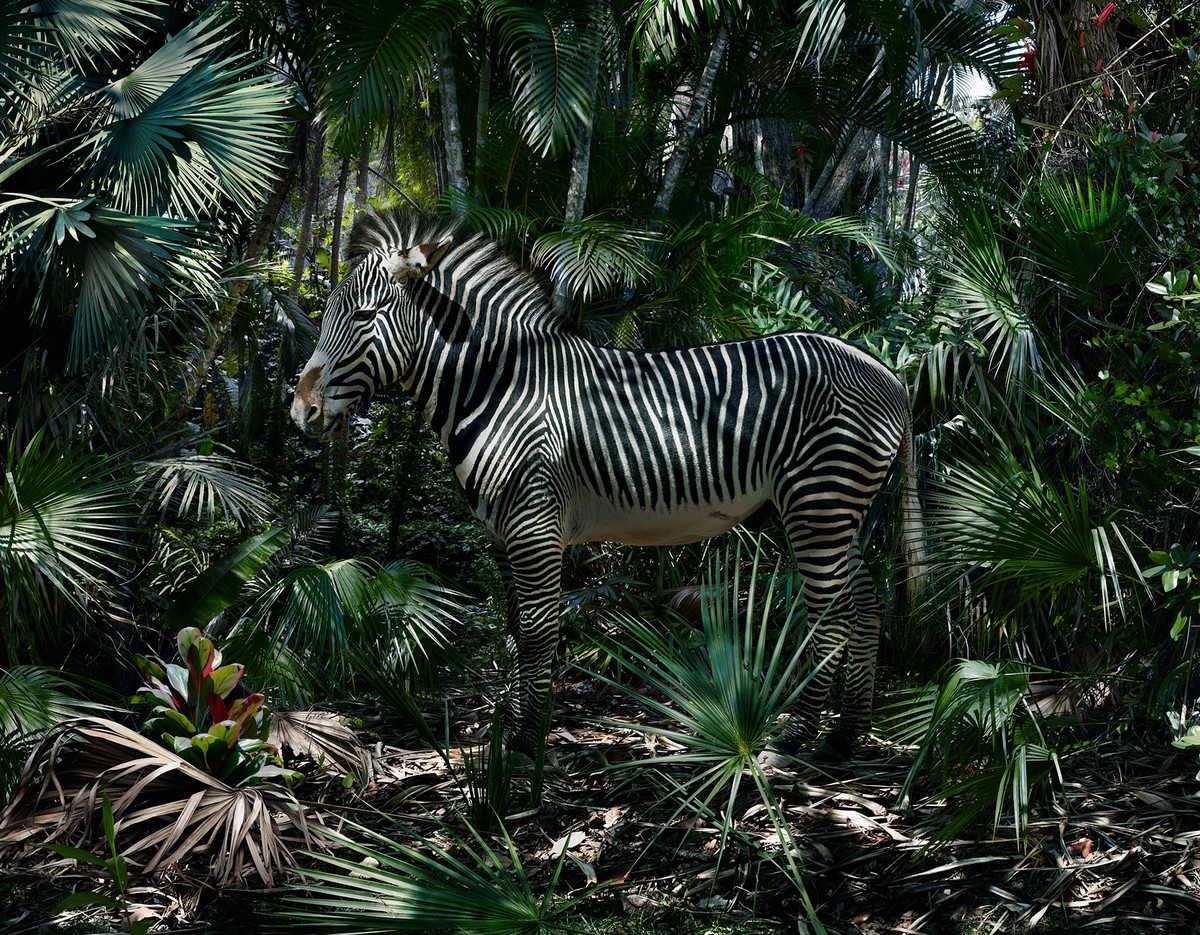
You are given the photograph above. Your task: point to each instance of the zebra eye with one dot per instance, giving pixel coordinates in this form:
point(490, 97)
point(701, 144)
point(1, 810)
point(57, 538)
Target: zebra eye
point(364, 314)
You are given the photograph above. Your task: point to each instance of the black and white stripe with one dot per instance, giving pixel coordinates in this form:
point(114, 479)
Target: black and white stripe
point(558, 441)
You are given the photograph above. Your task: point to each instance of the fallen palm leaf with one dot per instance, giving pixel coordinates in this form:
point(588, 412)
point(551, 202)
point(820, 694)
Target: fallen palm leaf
point(323, 737)
point(166, 811)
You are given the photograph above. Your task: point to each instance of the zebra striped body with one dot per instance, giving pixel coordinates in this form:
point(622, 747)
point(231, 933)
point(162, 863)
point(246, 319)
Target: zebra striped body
point(558, 441)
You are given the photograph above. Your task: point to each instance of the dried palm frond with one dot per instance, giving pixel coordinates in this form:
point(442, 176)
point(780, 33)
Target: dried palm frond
point(166, 811)
point(323, 737)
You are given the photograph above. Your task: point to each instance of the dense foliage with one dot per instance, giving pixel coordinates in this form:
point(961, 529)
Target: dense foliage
point(1002, 201)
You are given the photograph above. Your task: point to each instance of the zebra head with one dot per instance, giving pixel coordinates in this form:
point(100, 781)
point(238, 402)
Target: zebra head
point(362, 342)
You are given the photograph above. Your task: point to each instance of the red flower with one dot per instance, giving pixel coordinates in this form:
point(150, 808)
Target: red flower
point(1107, 90)
point(1131, 105)
point(1028, 60)
point(1154, 137)
point(1105, 14)
point(1099, 63)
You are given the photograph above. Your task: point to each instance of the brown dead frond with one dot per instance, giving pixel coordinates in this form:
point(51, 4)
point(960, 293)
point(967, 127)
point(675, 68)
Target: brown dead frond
point(166, 811)
point(321, 736)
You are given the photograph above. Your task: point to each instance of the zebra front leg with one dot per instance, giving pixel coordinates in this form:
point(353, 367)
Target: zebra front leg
point(537, 576)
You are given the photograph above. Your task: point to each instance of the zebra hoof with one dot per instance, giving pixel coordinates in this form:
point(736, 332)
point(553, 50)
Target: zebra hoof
point(781, 753)
point(836, 748)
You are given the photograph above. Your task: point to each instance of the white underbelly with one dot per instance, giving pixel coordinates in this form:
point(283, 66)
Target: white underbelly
point(596, 519)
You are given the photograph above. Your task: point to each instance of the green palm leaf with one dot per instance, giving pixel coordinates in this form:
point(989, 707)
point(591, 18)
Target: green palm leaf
point(595, 256)
point(393, 887)
point(976, 283)
point(1076, 232)
point(999, 515)
point(550, 56)
point(88, 31)
point(199, 485)
point(373, 54)
point(187, 126)
point(60, 518)
point(219, 586)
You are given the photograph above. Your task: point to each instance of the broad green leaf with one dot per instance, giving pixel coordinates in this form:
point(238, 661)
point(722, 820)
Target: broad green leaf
point(220, 585)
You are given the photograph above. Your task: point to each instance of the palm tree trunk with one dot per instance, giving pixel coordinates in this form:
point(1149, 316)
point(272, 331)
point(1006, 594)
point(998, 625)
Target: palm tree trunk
point(691, 123)
point(481, 109)
point(456, 175)
point(831, 186)
point(312, 191)
point(362, 176)
point(581, 161)
point(339, 209)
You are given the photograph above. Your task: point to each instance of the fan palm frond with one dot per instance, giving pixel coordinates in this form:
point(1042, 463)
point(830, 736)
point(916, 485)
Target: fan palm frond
point(976, 282)
point(999, 515)
point(727, 689)
point(1075, 231)
point(32, 701)
point(167, 812)
point(975, 720)
point(88, 31)
point(199, 485)
point(187, 126)
point(61, 517)
point(393, 887)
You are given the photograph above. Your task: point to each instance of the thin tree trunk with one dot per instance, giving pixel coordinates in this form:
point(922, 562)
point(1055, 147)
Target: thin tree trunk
point(831, 186)
point(691, 123)
point(362, 177)
point(308, 210)
point(456, 175)
point(581, 161)
point(339, 209)
point(481, 109)
point(910, 204)
point(197, 368)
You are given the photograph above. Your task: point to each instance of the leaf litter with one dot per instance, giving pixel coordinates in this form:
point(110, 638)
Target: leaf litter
point(1123, 854)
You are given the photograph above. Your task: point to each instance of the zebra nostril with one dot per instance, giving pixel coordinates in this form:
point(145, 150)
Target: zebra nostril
point(313, 412)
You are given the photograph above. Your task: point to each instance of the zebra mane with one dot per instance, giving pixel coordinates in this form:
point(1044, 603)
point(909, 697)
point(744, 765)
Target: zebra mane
point(472, 264)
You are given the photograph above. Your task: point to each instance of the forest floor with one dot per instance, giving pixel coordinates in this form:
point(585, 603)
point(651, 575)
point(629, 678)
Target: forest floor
point(1120, 854)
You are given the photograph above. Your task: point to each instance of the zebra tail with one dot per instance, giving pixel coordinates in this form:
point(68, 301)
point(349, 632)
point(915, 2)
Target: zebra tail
point(912, 524)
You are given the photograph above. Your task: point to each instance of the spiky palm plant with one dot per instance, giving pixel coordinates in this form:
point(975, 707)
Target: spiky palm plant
point(121, 146)
point(722, 693)
point(982, 744)
point(32, 701)
point(467, 885)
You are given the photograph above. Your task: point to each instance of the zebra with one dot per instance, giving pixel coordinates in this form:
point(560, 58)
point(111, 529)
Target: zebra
point(556, 441)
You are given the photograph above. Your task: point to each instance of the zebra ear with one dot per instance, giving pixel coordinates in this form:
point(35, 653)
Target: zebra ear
point(435, 251)
point(415, 262)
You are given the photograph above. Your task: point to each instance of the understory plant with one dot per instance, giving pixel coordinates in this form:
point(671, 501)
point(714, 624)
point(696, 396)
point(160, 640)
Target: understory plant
point(980, 742)
point(469, 886)
point(726, 685)
point(194, 716)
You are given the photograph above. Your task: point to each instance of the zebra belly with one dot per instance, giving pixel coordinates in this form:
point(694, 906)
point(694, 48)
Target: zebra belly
point(597, 519)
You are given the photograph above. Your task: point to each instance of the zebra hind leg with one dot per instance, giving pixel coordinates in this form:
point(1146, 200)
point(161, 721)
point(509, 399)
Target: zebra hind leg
point(862, 655)
point(831, 611)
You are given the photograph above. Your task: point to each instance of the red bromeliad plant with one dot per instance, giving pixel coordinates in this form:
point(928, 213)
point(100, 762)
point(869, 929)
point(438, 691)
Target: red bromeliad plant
point(193, 716)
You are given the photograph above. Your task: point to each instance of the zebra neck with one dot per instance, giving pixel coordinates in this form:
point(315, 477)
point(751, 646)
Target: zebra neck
point(458, 384)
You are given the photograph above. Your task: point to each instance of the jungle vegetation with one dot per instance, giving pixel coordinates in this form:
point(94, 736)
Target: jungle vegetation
point(1000, 200)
